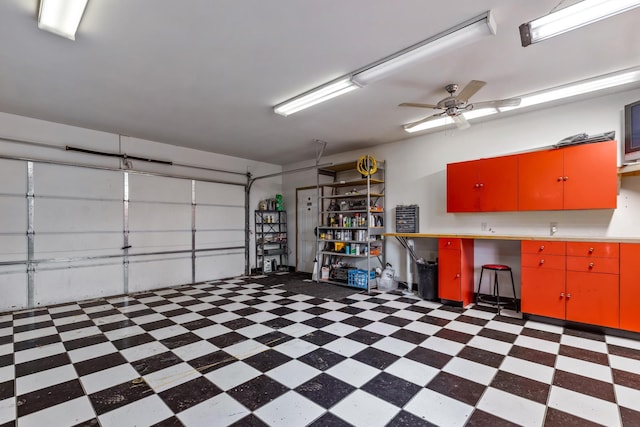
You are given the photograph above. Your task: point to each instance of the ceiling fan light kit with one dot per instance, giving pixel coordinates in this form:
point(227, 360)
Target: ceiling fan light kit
point(61, 17)
point(457, 36)
point(572, 17)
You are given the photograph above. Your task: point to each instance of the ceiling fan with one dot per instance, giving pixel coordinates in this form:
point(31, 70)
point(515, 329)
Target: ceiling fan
point(455, 105)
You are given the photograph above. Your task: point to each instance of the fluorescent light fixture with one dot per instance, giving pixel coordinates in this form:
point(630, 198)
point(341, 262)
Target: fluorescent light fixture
point(572, 17)
point(315, 96)
point(61, 17)
point(448, 40)
point(606, 81)
point(445, 41)
point(582, 87)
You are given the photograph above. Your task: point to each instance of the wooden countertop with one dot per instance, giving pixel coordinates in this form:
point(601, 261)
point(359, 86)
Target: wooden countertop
point(514, 237)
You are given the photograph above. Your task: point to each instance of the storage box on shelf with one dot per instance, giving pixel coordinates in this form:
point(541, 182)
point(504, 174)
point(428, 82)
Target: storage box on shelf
point(272, 252)
point(351, 224)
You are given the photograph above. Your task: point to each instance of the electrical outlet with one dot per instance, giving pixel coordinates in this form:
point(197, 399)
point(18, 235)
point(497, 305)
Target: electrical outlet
point(483, 226)
point(553, 228)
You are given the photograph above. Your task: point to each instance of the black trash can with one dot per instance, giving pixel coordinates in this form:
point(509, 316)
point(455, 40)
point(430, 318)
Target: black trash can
point(428, 280)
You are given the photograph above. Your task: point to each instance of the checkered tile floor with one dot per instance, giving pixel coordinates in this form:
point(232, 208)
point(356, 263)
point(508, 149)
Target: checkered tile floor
point(238, 353)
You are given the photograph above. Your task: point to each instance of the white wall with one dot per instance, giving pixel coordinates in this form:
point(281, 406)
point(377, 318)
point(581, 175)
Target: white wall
point(79, 212)
point(416, 174)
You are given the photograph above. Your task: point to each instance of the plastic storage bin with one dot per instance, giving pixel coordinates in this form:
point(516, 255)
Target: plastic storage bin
point(358, 278)
point(428, 280)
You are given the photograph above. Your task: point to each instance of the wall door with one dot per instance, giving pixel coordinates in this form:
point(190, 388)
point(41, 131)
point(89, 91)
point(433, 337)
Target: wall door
point(306, 221)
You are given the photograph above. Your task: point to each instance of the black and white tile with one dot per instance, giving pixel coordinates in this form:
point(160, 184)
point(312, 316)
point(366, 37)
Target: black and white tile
point(240, 352)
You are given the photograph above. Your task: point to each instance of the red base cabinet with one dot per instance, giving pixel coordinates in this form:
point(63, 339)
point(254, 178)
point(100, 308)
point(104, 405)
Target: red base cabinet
point(455, 270)
point(629, 286)
point(581, 286)
point(543, 278)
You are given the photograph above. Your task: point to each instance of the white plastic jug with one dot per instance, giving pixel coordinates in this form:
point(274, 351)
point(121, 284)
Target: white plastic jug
point(387, 281)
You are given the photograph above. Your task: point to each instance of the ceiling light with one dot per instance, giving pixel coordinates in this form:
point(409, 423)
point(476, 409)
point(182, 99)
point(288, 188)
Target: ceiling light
point(582, 87)
point(572, 17)
point(315, 96)
point(61, 17)
point(444, 42)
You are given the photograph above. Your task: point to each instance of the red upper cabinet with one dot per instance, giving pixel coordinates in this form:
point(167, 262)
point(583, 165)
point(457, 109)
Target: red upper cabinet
point(462, 187)
point(590, 176)
point(485, 185)
point(578, 177)
point(540, 181)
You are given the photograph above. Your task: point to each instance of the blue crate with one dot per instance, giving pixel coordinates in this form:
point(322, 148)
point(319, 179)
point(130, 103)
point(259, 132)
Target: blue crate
point(358, 278)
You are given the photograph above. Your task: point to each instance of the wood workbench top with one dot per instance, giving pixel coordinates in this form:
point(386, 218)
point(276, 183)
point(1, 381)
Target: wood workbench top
point(515, 237)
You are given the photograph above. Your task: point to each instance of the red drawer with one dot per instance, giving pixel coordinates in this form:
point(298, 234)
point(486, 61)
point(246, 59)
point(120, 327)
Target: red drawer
point(593, 265)
point(543, 247)
point(449, 243)
point(544, 261)
point(593, 249)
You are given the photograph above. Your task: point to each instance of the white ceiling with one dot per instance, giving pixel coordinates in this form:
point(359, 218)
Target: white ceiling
point(205, 73)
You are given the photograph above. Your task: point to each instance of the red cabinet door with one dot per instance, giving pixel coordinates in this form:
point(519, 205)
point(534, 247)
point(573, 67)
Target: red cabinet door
point(498, 180)
point(593, 298)
point(540, 180)
point(590, 173)
point(449, 274)
point(542, 291)
point(629, 286)
point(463, 187)
point(455, 270)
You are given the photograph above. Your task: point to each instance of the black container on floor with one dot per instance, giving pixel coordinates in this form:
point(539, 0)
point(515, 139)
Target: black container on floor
point(428, 280)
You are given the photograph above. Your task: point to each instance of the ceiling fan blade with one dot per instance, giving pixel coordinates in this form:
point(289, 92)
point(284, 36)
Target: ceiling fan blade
point(460, 121)
point(413, 104)
point(426, 119)
point(470, 90)
point(502, 103)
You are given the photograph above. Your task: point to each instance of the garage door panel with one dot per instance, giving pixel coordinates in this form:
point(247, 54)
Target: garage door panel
point(13, 214)
point(212, 193)
point(219, 265)
point(159, 217)
point(55, 283)
point(13, 177)
point(144, 242)
point(60, 215)
point(219, 217)
point(219, 239)
point(67, 181)
point(144, 188)
point(13, 288)
point(13, 248)
point(65, 245)
point(152, 272)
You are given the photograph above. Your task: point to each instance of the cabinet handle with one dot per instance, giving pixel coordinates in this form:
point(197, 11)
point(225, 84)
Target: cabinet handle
point(481, 185)
point(541, 261)
point(590, 250)
point(559, 179)
point(590, 265)
point(542, 247)
point(568, 296)
point(561, 294)
point(566, 178)
point(477, 185)
point(448, 243)
point(458, 276)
